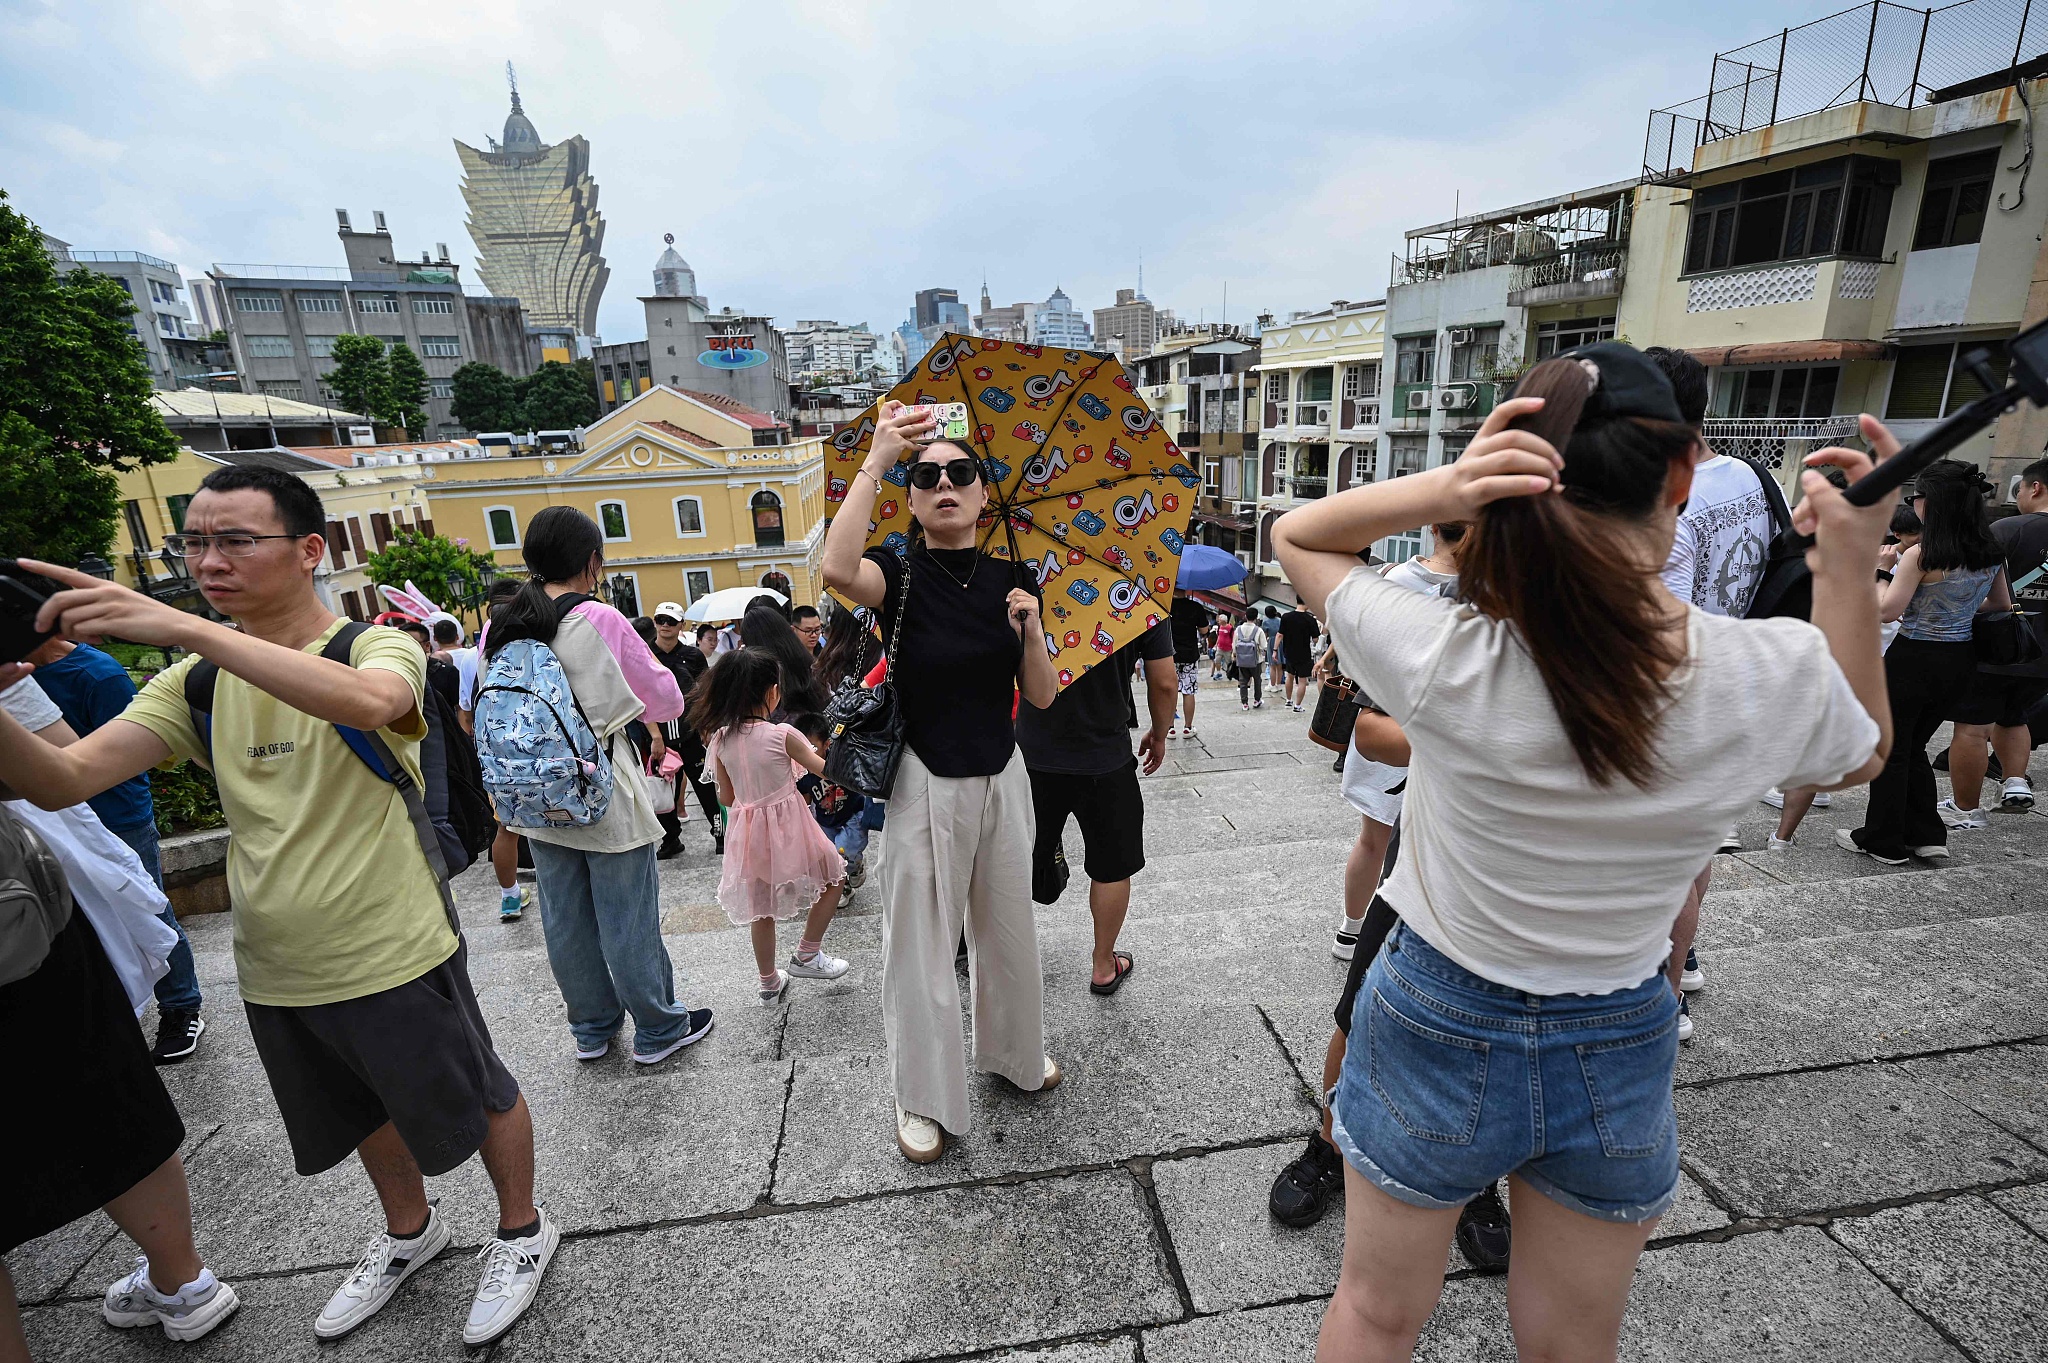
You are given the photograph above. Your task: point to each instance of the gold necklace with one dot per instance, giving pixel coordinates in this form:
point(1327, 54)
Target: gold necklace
point(949, 572)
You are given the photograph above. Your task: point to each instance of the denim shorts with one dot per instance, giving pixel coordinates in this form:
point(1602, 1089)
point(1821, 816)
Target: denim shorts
point(1451, 1081)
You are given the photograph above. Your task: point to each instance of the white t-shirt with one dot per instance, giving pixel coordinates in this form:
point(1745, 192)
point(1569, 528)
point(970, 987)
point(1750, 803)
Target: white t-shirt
point(1513, 863)
point(465, 669)
point(1724, 538)
point(1418, 577)
point(30, 706)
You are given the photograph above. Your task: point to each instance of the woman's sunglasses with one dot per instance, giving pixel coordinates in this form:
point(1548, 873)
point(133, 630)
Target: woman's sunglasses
point(959, 472)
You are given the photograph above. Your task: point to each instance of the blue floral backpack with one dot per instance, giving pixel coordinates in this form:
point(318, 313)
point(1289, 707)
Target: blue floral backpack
point(542, 762)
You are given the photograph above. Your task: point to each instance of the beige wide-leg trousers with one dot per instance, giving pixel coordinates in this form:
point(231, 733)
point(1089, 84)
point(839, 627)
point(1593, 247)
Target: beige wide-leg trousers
point(959, 848)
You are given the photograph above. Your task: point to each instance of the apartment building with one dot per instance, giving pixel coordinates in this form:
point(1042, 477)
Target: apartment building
point(282, 320)
point(176, 353)
point(1319, 415)
point(820, 351)
point(1201, 382)
point(1130, 326)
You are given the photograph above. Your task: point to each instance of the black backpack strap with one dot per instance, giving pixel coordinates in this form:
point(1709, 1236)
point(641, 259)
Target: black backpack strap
point(200, 680)
point(569, 601)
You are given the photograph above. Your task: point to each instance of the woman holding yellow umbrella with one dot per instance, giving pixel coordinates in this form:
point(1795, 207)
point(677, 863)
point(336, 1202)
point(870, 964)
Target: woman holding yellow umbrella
point(960, 816)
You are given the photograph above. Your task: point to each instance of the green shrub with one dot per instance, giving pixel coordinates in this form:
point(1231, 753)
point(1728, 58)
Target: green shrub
point(186, 799)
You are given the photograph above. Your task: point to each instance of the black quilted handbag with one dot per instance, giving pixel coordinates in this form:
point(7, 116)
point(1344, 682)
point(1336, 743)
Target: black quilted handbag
point(866, 723)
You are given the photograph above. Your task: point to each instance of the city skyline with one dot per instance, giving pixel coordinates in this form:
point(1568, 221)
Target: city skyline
point(685, 142)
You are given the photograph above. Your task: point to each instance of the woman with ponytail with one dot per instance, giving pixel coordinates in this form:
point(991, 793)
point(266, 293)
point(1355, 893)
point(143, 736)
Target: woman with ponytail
point(1581, 740)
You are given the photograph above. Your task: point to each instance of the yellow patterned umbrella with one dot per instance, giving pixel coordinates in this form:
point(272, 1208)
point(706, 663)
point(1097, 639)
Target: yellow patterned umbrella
point(1085, 489)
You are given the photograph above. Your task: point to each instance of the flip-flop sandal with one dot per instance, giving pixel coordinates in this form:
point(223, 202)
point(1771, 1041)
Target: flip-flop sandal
point(1125, 965)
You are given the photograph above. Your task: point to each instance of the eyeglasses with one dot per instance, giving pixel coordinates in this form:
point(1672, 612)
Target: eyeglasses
point(924, 476)
point(234, 546)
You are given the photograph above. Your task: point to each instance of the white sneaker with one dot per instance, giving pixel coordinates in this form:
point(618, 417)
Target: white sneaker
point(1961, 818)
point(1847, 842)
point(1346, 945)
point(919, 1138)
point(1774, 843)
point(772, 998)
point(2018, 794)
point(1775, 798)
point(1684, 1020)
point(1691, 978)
point(823, 966)
point(510, 1281)
point(1731, 841)
point(194, 1310)
point(1931, 852)
point(384, 1267)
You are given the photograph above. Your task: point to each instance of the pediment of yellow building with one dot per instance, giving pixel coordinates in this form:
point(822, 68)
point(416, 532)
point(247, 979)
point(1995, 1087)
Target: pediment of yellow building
point(641, 449)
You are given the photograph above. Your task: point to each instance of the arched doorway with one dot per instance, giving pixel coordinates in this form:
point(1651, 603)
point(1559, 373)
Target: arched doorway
point(767, 509)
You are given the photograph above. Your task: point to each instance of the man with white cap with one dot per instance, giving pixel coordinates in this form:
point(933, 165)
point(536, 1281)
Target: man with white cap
point(687, 662)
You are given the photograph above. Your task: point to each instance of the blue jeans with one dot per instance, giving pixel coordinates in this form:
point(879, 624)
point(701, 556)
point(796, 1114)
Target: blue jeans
point(1451, 1081)
point(180, 987)
point(851, 840)
point(600, 915)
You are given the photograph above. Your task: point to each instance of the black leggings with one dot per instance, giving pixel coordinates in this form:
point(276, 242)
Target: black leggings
point(691, 749)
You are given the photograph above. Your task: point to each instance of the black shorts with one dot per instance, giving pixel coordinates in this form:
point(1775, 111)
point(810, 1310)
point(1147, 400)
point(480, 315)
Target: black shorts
point(1298, 667)
point(417, 1055)
point(1111, 811)
point(90, 1116)
point(1999, 700)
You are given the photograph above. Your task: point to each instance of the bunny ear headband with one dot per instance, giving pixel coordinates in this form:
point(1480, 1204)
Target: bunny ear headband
point(411, 600)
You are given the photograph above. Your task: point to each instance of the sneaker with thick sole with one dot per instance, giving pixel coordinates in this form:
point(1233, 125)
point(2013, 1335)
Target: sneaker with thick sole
point(1483, 1233)
point(774, 998)
point(177, 1035)
point(698, 1027)
point(856, 874)
point(823, 966)
point(382, 1270)
point(2018, 793)
point(512, 904)
point(921, 1139)
point(1692, 977)
point(1931, 852)
point(597, 1052)
point(194, 1310)
point(1308, 1185)
point(1961, 818)
point(1731, 841)
point(1846, 840)
point(1774, 843)
point(1345, 946)
point(1684, 1019)
point(510, 1280)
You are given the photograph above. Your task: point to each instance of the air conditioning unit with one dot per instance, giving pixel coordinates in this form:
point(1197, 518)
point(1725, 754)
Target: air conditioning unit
point(1456, 399)
point(1461, 336)
point(1420, 400)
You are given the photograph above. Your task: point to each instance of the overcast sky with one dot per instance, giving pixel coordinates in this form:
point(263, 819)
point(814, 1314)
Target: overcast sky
point(828, 159)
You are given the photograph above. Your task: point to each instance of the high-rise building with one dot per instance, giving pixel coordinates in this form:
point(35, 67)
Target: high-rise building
point(1011, 323)
point(1129, 326)
point(936, 307)
point(826, 351)
point(689, 348)
point(533, 216)
point(909, 343)
point(1059, 323)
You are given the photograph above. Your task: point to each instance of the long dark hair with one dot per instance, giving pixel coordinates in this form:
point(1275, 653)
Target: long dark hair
point(558, 545)
point(764, 629)
point(1955, 527)
point(728, 694)
point(851, 649)
point(1562, 570)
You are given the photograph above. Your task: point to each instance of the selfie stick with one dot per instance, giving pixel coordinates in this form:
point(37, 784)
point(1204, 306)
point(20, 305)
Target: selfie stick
point(2029, 354)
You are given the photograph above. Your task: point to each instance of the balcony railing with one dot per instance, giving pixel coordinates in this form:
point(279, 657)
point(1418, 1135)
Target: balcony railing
point(1586, 263)
point(122, 258)
point(1774, 443)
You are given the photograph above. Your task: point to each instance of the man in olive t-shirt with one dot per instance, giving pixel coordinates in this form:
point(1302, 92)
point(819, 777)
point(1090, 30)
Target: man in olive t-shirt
point(354, 980)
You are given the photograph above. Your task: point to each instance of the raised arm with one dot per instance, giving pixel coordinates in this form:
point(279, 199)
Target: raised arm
point(846, 572)
point(366, 698)
point(34, 768)
point(1845, 546)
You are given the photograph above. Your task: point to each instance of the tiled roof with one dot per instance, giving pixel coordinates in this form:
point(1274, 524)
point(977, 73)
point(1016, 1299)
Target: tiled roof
point(738, 411)
point(691, 437)
point(289, 461)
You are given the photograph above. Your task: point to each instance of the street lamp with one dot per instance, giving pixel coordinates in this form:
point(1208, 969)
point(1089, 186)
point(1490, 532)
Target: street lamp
point(92, 565)
point(621, 589)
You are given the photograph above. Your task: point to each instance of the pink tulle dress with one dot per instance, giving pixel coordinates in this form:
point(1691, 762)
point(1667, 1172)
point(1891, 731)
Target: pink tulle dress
point(777, 860)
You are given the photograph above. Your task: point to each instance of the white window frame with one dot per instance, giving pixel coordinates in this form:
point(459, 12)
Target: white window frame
point(269, 347)
point(625, 519)
point(424, 304)
point(255, 300)
point(491, 530)
point(1277, 387)
point(701, 531)
point(1365, 464)
point(381, 304)
point(441, 347)
point(689, 589)
point(317, 347)
point(319, 302)
point(441, 388)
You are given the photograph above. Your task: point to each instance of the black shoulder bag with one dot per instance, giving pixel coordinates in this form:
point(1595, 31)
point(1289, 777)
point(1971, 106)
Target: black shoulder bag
point(1786, 587)
point(866, 724)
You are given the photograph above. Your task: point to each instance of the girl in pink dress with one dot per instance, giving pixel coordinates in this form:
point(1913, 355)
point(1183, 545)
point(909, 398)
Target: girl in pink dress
point(778, 862)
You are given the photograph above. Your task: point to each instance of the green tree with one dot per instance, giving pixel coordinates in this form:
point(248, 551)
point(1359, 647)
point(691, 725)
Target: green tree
point(361, 379)
point(428, 561)
point(405, 397)
point(485, 399)
point(74, 401)
point(555, 397)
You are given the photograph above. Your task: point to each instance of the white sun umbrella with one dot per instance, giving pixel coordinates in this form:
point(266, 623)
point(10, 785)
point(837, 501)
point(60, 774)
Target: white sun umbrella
point(730, 603)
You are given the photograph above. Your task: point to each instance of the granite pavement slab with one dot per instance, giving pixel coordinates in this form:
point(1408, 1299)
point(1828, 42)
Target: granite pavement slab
point(1273, 1334)
point(1967, 1266)
point(2029, 1205)
point(2006, 1084)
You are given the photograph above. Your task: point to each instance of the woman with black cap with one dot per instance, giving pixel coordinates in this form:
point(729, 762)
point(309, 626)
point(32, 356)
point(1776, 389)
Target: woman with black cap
point(1581, 740)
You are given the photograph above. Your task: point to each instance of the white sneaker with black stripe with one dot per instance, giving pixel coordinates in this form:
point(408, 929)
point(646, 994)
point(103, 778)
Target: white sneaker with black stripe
point(510, 1281)
point(382, 1270)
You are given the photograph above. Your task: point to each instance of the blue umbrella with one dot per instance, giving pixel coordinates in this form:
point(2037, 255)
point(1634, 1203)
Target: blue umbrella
point(1204, 567)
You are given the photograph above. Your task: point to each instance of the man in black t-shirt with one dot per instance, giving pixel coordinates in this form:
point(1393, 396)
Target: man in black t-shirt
point(1995, 710)
point(1188, 619)
point(1078, 752)
point(686, 661)
point(1298, 632)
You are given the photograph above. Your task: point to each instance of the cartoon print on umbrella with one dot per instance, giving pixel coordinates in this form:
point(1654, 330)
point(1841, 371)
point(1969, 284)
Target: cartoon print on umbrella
point(1084, 486)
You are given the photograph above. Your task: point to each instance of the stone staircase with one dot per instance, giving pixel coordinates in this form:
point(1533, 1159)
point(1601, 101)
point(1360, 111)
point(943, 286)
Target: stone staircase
point(1864, 1118)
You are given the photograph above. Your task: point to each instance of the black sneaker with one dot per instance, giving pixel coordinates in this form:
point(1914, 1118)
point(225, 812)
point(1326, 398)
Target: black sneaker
point(1483, 1232)
point(1304, 1189)
point(177, 1035)
point(670, 847)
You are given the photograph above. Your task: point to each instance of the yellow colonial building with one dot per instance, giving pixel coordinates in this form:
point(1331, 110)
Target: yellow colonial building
point(694, 492)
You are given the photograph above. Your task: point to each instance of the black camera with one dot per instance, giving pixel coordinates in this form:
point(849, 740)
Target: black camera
point(22, 594)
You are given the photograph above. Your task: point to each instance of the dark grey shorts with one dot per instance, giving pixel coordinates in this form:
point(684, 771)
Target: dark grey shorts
point(418, 1056)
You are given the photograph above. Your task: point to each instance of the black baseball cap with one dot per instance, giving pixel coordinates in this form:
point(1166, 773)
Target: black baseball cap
point(1626, 383)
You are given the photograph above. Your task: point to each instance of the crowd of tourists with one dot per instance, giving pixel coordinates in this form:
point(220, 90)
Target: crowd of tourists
point(1563, 707)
